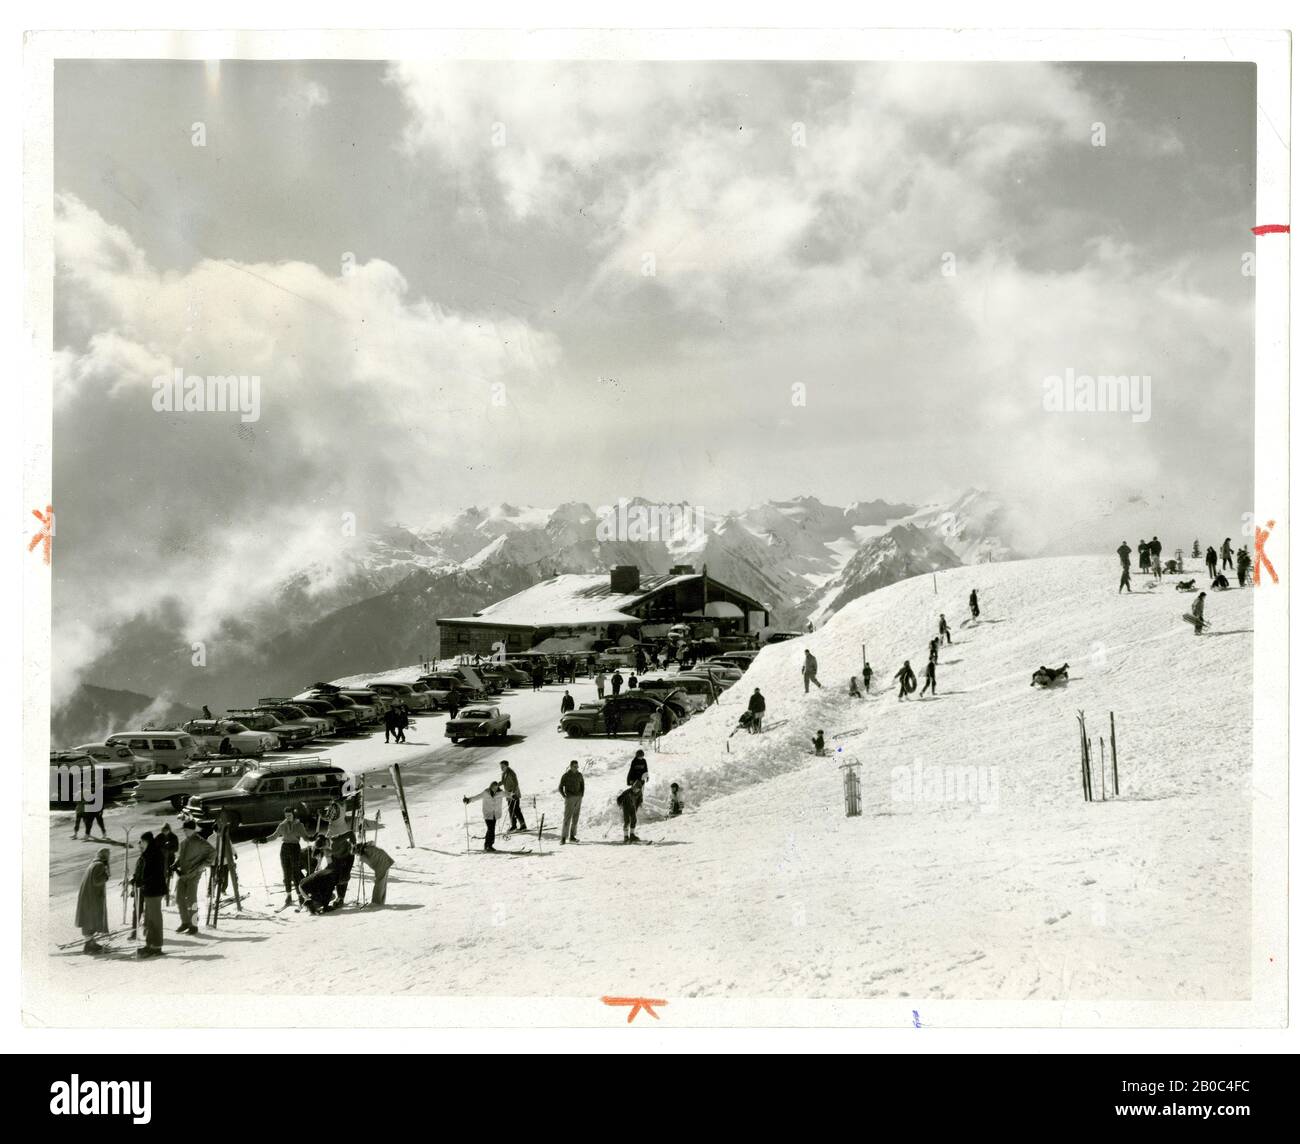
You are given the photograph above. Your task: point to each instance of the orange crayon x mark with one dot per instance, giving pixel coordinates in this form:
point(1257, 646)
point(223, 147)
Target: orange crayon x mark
point(1261, 535)
point(637, 1003)
point(46, 534)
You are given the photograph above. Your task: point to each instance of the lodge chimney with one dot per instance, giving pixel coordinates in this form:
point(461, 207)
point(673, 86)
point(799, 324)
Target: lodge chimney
point(624, 579)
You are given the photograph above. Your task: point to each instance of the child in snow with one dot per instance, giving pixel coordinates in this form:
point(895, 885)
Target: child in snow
point(853, 687)
point(628, 801)
point(1198, 614)
point(930, 684)
point(675, 804)
point(819, 743)
point(943, 628)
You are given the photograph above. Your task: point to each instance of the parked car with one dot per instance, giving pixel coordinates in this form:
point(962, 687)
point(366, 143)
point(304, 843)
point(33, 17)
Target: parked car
point(444, 687)
point(494, 680)
point(118, 756)
point(781, 637)
point(478, 721)
point(630, 712)
point(259, 798)
point(742, 659)
point(527, 660)
point(227, 737)
point(345, 718)
point(514, 675)
point(700, 690)
point(75, 775)
point(403, 693)
point(365, 712)
point(293, 715)
point(113, 771)
point(201, 778)
point(289, 734)
point(168, 750)
point(722, 671)
point(364, 697)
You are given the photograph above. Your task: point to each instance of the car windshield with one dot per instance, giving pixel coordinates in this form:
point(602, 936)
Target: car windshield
point(476, 713)
point(248, 782)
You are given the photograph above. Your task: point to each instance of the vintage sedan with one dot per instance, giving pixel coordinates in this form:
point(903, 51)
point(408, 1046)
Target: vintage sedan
point(292, 715)
point(227, 737)
point(118, 756)
point(478, 722)
point(202, 778)
point(701, 690)
point(406, 693)
point(618, 715)
point(289, 734)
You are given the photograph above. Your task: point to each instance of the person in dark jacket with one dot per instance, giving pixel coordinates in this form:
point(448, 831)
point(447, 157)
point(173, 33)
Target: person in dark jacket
point(1144, 556)
point(1198, 614)
point(92, 902)
point(572, 786)
point(403, 721)
point(675, 803)
point(628, 801)
point(616, 682)
point(194, 855)
point(379, 861)
point(170, 844)
point(638, 773)
point(510, 784)
point(1124, 551)
point(943, 629)
point(1243, 566)
point(1211, 559)
point(757, 708)
point(1154, 547)
point(317, 889)
point(819, 743)
point(930, 684)
point(390, 724)
point(974, 605)
point(1225, 557)
point(934, 650)
point(866, 678)
point(906, 679)
point(150, 882)
point(342, 857)
point(567, 704)
point(1124, 584)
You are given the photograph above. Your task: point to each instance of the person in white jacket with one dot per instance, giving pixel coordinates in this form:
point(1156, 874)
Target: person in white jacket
point(492, 799)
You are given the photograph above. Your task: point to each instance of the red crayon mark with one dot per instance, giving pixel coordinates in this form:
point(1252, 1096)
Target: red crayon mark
point(1271, 228)
point(46, 534)
point(1261, 535)
point(637, 1003)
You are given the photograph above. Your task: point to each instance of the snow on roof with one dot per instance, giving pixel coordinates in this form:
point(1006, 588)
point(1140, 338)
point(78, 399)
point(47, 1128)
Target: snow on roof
point(573, 598)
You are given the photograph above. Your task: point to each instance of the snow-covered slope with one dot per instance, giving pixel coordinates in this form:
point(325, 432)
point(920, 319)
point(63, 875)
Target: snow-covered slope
point(976, 870)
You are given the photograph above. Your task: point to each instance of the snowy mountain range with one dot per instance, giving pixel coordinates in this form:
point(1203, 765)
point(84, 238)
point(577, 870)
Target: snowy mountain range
point(378, 601)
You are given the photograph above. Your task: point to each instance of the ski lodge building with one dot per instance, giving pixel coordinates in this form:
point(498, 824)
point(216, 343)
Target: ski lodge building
point(575, 610)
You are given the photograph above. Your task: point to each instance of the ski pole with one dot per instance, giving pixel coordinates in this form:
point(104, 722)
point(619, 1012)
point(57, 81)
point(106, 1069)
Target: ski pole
point(466, 829)
point(257, 846)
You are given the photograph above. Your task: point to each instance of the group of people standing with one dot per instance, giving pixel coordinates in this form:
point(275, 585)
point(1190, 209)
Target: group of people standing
point(1219, 564)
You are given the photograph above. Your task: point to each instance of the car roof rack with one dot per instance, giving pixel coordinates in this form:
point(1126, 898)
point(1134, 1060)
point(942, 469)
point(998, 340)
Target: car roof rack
point(296, 764)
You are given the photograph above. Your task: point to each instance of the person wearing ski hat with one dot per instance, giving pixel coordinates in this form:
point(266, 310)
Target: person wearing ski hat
point(572, 786)
point(491, 799)
point(638, 773)
point(628, 801)
point(92, 902)
point(194, 855)
point(510, 784)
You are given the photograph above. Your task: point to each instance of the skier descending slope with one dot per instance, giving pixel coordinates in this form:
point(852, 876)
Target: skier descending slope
point(491, 799)
point(906, 679)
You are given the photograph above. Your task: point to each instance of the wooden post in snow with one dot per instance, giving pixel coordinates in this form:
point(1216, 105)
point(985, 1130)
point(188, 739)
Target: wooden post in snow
point(1114, 755)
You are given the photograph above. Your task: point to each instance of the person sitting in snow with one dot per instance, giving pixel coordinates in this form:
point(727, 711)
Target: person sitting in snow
point(853, 687)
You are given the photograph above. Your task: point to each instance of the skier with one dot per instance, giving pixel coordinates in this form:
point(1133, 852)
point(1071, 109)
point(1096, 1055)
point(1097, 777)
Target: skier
point(92, 902)
point(906, 679)
point(510, 784)
point(638, 773)
point(809, 670)
point(1144, 556)
point(944, 629)
point(572, 786)
point(341, 859)
point(1153, 545)
point(566, 704)
point(929, 679)
point(150, 881)
point(628, 801)
point(380, 861)
point(292, 834)
point(934, 650)
point(866, 678)
point(819, 743)
point(491, 799)
point(193, 856)
point(757, 708)
point(1243, 566)
point(317, 889)
point(974, 605)
point(1198, 614)
point(600, 685)
point(675, 804)
point(1211, 558)
point(616, 681)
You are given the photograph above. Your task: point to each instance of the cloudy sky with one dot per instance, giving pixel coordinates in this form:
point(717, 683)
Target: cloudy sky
point(477, 282)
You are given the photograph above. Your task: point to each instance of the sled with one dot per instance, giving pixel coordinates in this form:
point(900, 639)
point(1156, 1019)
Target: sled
point(1191, 619)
